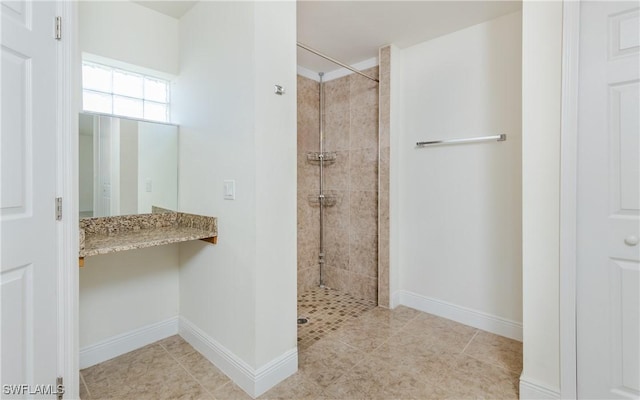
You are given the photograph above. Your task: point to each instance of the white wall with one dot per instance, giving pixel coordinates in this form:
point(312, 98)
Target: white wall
point(157, 156)
point(129, 32)
point(114, 30)
point(121, 292)
point(541, 88)
point(459, 206)
point(240, 293)
point(276, 181)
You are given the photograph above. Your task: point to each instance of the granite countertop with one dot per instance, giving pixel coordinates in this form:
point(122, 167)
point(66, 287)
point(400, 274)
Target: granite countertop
point(105, 235)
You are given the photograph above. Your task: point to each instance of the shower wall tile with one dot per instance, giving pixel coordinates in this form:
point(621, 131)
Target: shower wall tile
point(308, 118)
point(308, 233)
point(336, 237)
point(364, 111)
point(363, 173)
point(339, 279)
point(364, 128)
point(336, 131)
point(383, 224)
point(336, 174)
point(351, 231)
point(363, 213)
point(383, 170)
point(384, 96)
point(337, 114)
point(308, 215)
point(363, 254)
point(336, 95)
point(337, 216)
point(308, 278)
point(363, 287)
point(383, 283)
point(307, 129)
point(308, 174)
point(363, 87)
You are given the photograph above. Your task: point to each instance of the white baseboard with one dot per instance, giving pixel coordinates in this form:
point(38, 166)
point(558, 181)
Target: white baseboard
point(467, 316)
point(534, 391)
point(126, 342)
point(394, 299)
point(253, 381)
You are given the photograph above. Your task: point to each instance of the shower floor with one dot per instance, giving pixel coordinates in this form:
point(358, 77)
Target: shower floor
point(326, 310)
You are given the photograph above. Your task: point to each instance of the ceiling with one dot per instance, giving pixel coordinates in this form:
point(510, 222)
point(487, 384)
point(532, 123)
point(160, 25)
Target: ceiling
point(175, 9)
point(353, 31)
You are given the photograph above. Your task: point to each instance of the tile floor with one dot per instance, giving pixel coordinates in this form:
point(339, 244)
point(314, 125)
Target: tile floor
point(382, 354)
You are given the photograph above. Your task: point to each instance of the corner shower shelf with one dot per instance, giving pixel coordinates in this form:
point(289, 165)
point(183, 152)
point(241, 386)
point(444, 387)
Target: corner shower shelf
point(328, 200)
point(326, 156)
point(103, 235)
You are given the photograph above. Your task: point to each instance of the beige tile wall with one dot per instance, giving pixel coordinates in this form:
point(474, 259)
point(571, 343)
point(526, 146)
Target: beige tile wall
point(351, 226)
point(308, 175)
point(383, 168)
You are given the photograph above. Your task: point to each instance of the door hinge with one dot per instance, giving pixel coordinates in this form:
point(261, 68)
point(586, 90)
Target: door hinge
point(59, 388)
point(58, 208)
point(58, 28)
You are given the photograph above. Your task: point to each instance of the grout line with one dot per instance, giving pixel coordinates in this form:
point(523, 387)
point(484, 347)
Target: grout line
point(186, 370)
point(510, 371)
point(86, 387)
point(469, 342)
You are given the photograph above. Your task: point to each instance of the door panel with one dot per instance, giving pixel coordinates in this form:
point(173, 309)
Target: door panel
point(608, 273)
point(29, 270)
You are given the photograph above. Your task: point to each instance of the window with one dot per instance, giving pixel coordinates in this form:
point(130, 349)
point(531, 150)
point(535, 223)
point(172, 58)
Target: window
point(115, 91)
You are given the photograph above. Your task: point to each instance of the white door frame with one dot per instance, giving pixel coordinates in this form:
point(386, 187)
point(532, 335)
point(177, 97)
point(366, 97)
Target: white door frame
point(67, 188)
point(69, 106)
point(568, 197)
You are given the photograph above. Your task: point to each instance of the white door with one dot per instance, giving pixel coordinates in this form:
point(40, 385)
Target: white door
point(608, 276)
point(28, 271)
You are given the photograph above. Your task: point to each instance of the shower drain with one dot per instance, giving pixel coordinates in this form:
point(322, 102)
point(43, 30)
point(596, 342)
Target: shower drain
point(303, 320)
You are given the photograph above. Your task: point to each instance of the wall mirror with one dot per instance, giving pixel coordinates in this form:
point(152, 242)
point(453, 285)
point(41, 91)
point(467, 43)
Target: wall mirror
point(126, 166)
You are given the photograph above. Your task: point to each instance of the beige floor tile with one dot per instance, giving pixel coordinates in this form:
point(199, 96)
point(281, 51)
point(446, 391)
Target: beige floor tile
point(326, 361)
point(498, 350)
point(128, 370)
point(174, 383)
point(231, 391)
point(365, 335)
point(471, 378)
point(445, 335)
point(430, 364)
point(177, 346)
point(297, 386)
point(376, 379)
point(372, 354)
point(210, 377)
point(84, 393)
point(396, 318)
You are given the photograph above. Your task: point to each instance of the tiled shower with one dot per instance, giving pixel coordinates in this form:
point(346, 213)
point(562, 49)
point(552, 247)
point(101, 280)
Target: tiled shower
point(350, 183)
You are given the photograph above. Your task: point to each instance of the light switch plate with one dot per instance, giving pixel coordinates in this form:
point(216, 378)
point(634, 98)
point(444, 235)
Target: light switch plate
point(229, 190)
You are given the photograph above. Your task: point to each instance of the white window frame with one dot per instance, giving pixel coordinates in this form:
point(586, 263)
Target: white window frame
point(112, 95)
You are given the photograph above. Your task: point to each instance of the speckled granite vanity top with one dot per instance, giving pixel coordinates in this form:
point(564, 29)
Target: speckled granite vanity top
point(103, 235)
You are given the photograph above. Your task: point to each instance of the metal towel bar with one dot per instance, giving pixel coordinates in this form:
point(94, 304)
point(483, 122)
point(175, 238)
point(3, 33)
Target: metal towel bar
point(499, 138)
